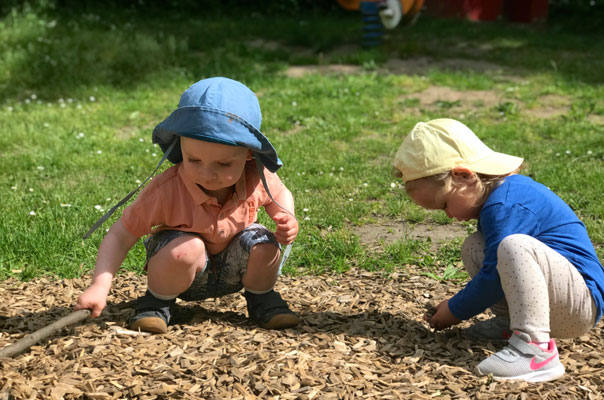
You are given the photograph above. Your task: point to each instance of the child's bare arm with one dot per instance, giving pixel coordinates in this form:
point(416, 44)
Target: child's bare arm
point(287, 225)
point(112, 251)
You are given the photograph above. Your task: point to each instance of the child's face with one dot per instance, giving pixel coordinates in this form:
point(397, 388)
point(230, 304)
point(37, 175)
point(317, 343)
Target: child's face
point(213, 166)
point(455, 203)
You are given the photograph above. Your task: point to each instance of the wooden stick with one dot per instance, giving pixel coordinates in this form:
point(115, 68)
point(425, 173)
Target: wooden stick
point(43, 333)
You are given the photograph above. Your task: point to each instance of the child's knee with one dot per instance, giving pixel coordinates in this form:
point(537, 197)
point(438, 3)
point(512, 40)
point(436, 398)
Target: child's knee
point(265, 253)
point(186, 251)
point(512, 244)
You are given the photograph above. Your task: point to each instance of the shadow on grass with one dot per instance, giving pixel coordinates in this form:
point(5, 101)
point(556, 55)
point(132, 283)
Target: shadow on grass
point(59, 52)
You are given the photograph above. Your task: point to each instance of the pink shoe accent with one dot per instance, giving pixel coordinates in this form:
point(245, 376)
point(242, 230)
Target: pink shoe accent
point(536, 365)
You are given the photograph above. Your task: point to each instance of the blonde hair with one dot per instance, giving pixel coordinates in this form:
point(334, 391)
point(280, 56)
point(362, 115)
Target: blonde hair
point(445, 182)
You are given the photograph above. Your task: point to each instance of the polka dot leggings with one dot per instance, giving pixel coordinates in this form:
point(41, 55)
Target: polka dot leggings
point(545, 295)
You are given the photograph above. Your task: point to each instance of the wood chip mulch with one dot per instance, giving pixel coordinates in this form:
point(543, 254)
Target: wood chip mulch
point(361, 337)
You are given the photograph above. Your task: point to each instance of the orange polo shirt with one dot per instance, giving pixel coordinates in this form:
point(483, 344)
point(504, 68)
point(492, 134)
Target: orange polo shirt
point(171, 201)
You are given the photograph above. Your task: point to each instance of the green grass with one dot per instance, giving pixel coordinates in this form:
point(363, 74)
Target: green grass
point(81, 92)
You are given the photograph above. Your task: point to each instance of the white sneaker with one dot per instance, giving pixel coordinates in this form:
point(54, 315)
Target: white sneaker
point(523, 360)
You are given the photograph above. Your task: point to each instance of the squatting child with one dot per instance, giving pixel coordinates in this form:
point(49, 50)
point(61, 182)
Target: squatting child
point(531, 260)
point(201, 214)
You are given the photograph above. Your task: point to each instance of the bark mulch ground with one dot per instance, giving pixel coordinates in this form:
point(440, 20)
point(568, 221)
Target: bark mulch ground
point(361, 337)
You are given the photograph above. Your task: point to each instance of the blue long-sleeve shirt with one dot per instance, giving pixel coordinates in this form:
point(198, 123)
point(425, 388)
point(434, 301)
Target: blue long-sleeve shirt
point(521, 205)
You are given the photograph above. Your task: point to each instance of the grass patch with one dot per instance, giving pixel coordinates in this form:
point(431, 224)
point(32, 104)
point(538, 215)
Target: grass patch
point(81, 93)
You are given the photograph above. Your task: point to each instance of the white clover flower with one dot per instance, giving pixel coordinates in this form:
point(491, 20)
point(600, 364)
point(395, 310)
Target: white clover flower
point(32, 213)
point(141, 140)
point(305, 209)
point(33, 96)
point(61, 100)
point(341, 168)
point(567, 152)
point(146, 150)
point(557, 154)
point(294, 103)
point(9, 109)
point(80, 135)
point(351, 199)
point(307, 190)
point(79, 106)
point(138, 181)
point(26, 101)
point(70, 100)
point(62, 105)
point(99, 152)
point(306, 218)
point(589, 152)
point(31, 190)
point(14, 187)
point(65, 205)
point(92, 98)
point(393, 185)
point(40, 168)
point(46, 124)
point(365, 184)
point(154, 154)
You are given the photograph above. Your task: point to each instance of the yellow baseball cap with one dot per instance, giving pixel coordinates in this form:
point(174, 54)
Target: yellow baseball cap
point(439, 145)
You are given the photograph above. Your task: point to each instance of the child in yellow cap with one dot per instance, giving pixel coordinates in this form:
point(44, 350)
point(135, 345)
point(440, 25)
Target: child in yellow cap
point(531, 260)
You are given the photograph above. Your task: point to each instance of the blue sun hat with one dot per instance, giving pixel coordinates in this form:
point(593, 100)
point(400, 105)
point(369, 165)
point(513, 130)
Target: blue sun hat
point(217, 110)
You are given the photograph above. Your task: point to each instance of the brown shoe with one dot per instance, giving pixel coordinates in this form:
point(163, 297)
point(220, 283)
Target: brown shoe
point(152, 314)
point(270, 311)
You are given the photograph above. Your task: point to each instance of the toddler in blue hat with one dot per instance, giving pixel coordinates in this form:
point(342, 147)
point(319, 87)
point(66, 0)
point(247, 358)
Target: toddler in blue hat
point(200, 215)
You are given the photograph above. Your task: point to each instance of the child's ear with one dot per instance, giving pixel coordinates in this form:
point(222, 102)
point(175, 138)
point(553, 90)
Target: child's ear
point(250, 155)
point(463, 173)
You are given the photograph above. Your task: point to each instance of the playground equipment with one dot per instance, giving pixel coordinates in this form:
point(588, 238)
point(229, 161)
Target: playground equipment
point(380, 14)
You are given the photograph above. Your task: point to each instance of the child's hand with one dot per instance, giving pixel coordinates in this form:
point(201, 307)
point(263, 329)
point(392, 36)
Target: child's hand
point(287, 228)
point(93, 298)
point(442, 318)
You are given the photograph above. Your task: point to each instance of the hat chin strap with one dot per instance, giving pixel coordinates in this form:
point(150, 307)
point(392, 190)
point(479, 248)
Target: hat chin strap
point(108, 214)
point(288, 248)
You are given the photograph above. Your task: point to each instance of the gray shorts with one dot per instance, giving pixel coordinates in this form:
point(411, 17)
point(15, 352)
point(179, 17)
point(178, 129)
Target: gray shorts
point(223, 271)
